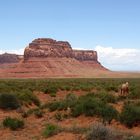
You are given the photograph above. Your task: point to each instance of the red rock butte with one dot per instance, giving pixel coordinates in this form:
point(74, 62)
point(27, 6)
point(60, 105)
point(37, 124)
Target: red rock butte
point(45, 57)
point(44, 48)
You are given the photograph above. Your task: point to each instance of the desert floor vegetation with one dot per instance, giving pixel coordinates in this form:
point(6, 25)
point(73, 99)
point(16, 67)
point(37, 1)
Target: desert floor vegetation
point(85, 108)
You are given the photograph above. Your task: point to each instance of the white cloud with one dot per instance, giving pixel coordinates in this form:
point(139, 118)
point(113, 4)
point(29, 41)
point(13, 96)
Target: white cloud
point(18, 51)
point(1, 52)
point(119, 59)
point(78, 48)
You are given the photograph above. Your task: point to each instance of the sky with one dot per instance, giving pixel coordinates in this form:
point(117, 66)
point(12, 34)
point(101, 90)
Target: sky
point(111, 27)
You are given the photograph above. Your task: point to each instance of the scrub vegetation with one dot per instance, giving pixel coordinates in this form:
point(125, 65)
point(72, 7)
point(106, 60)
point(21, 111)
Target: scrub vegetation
point(57, 100)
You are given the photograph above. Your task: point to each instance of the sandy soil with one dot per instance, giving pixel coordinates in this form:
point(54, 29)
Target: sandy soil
point(34, 126)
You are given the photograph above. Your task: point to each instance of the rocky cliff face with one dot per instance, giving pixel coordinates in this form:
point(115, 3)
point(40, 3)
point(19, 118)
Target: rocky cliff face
point(83, 55)
point(8, 58)
point(44, 47)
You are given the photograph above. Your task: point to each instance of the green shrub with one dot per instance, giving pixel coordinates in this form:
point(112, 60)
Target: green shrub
point(92, 107)
point(134, 95)
point(50, 130)
point(9, 101)
point(66, 87)
point(35, 100)
point(28, 97)
point(88, 105)
point(77, 110)
point(58, 105)
point(53, 106)
point(130, 114)
point(85, 87)
point(69, 101)
point(134, 92)
point(13, 123)
point(108, 113)
point(106, 97)
point(51, 89)
point(111, 87)
point(100, 132)
point(36, 111)
point(134, 89)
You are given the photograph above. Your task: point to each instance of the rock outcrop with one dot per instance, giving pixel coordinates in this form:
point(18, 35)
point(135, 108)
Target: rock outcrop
point(8, 58)
point(44, 47)
point(46, 57)
point(83, 55)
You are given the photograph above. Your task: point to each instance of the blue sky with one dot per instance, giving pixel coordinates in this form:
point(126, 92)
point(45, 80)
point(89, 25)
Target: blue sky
point(112, 27)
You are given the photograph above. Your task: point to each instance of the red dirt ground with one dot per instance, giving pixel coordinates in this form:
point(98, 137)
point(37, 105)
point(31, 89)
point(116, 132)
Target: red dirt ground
point(34, 126)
